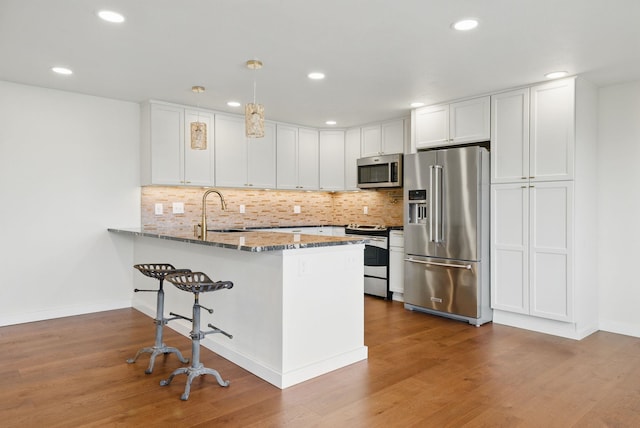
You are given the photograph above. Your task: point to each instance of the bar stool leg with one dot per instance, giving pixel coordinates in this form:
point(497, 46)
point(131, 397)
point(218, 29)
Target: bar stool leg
point(196, 369)
point(159, 347)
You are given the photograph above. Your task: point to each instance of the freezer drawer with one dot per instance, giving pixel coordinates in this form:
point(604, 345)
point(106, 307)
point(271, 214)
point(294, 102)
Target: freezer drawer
point(443, 285)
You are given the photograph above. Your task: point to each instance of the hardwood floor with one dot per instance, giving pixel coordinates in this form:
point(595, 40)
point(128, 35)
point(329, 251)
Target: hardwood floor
point(422, 371)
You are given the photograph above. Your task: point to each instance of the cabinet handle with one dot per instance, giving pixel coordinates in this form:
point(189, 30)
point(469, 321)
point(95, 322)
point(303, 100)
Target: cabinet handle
point(524, 178)
point(531, 186)
point(523, 187)
point(531, 177)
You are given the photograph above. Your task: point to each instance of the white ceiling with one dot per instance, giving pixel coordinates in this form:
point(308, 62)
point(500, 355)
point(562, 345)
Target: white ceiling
point(378, 55)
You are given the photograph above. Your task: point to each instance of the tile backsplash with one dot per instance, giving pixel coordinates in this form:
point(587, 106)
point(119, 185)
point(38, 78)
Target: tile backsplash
point(270, 208)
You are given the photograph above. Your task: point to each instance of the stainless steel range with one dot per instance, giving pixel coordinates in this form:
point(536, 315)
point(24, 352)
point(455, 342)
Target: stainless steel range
point(376, 258)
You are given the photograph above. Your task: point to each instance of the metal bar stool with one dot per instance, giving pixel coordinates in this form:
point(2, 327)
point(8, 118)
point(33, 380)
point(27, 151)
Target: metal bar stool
point(196, 283)
point(158, 271)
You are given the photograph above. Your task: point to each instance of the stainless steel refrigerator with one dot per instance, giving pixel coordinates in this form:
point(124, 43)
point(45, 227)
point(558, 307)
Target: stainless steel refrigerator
point(446, 229)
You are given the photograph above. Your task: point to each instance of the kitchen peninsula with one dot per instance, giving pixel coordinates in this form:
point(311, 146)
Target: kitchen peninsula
point(296, 310)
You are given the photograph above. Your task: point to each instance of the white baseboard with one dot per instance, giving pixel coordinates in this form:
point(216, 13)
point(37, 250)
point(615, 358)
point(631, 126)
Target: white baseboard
point(620, 328)
point(62, 312)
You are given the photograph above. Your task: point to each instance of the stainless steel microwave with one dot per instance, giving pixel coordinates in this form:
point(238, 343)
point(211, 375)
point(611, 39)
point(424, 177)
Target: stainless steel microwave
point(380, 171)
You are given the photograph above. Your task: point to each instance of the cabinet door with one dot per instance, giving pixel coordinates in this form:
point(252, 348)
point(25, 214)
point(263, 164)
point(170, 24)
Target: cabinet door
point(286, 157)
point(308, 160)
point(510, 247)
point(510, 137)
point(469, 121)
point(396, 261)
point(371, 141)
point(261, 168)
point(231, 151)
point(198, 159)
point(552, 131)
point(551, 252)
point(167, 142)
point(392, 136)
point(331, 160)
point(432, 126)
point(351, 156)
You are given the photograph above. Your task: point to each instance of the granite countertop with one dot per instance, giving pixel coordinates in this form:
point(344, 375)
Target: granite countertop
point(246, 240)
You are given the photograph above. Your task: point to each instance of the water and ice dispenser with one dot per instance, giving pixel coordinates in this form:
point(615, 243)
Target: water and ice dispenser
point(418, 208)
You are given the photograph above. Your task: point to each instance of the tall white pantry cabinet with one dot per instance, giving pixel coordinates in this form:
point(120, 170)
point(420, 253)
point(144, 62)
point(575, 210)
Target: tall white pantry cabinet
point(543, 208)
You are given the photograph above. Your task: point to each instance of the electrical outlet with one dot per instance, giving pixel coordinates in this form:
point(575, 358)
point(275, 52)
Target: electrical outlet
point(365, 210)
point(178, 207)
point(158, 209)
point(241, 209)
point(296, 209)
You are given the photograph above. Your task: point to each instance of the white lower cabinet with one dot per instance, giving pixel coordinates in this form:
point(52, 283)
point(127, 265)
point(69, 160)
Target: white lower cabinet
point(532, 249)
point(396, 263)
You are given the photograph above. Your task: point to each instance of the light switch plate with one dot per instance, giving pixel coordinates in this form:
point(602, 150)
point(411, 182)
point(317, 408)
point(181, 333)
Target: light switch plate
point(158, 209)
point(178, 207)
point(296, 209)
point(241, 209)
point(365, 210)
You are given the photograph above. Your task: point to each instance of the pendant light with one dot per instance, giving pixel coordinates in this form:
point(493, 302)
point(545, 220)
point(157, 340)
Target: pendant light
point(253, 112)
point(198, 129)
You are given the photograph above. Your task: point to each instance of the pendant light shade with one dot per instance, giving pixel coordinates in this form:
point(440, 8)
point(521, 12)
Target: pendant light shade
point(254, 112)
point(254, 120)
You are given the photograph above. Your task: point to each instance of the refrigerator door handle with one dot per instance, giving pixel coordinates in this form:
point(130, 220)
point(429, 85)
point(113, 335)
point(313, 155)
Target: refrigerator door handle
point(438, 198)
point(467, 267)
point(432, 238)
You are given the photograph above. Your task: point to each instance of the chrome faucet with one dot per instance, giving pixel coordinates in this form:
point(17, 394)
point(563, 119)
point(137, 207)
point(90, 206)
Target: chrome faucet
point(203, 224)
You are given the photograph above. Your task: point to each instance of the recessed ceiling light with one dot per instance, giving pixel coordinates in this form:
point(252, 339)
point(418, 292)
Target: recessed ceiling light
point(233, 104)
point(331, 122)
point(465, 24)
point(556, 74)
point(417, 104)
point(316, 75)
point(111, 16)
point(61, 70)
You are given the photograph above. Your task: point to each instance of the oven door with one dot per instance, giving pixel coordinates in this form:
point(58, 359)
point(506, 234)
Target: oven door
point(376, 265)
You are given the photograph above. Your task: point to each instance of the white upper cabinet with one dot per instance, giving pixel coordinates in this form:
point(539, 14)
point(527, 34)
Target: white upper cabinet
point(198, 148)
point(241, 161)
point(451, 124)
point(332, 156)
point(383, 138)
point(351, 156)
point(308, 159)
point(533, 137)
point(297, 158)
point(551, 153)
point(510, 136)
point(168, 154)
point(371, 140)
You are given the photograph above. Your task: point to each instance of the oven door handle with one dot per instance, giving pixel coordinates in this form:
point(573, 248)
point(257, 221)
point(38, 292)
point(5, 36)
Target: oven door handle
point(468, 267)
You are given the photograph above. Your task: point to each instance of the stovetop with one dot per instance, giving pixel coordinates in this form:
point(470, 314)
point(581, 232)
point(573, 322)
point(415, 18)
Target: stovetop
point(373, 230)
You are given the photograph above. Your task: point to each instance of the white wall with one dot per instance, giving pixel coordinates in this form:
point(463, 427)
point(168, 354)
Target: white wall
point(69, 169)
point(619, 208)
